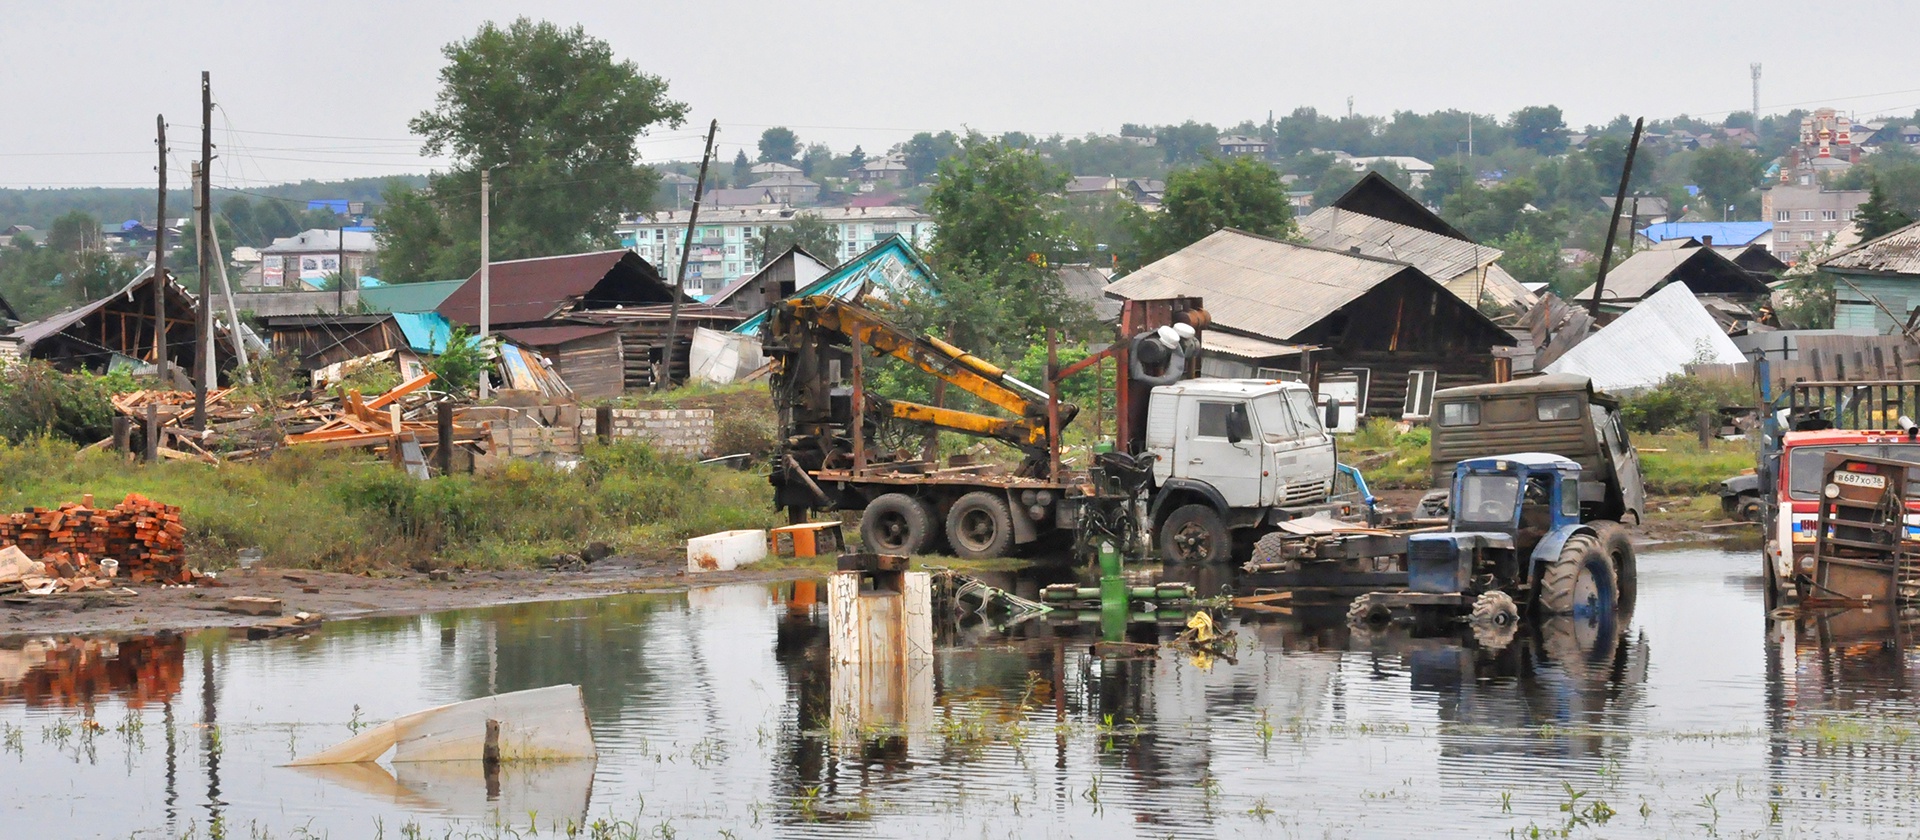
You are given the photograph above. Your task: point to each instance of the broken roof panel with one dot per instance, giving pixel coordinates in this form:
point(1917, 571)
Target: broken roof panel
point(533, 290)
point(1895, 253)
point(1703, 270)
point(889, 268)
point(1245, 347)
point(1649, 343)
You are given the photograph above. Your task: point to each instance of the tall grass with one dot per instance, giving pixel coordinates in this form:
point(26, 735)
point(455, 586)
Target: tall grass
point(331, 511)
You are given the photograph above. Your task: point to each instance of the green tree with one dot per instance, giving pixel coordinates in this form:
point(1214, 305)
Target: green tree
point(1878, 216)
point(1334, 184)
point(856, 158)
point(1540, 128)
point(808, 230)
point(1449, 176)
point(1489, 213)
point(1726, 175)
point(274, 220)
point(926, 151)
point(779, 145)
point(1189, 142)
point(186, 260)
point(1241, 193)
point(742, 169)
point(564, 163)
point(73, 232)
point(819, 163)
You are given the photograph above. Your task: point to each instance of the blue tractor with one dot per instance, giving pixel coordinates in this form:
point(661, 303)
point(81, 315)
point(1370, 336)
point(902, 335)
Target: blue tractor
point(1515, 541)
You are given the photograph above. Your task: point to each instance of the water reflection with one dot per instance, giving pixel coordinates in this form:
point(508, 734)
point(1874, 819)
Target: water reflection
point(715, 710)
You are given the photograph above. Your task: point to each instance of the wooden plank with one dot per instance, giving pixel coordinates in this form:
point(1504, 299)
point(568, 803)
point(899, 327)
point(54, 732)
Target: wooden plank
point(401, 390)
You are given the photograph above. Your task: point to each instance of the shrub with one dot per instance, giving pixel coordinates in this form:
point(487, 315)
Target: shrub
point(38, 399)
point(1674, 402)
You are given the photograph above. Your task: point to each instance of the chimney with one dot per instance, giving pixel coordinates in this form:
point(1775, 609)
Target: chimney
point(1707, 240)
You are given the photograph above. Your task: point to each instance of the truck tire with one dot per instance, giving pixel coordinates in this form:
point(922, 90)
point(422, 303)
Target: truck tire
point(1195, 534)
point(1618, 546)
point(897, 523)
point(1581, 580)
point(1494, 609)
point(1368, 611)
point(980, 526)
point(1748, 508)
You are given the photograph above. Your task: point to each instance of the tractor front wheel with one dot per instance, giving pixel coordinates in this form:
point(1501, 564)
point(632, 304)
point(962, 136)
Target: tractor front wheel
point(1580, 582)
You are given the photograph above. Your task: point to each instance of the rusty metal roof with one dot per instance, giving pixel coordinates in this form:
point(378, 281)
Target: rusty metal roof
point(533, 290)
point(1261, 286)
point(1895, 253)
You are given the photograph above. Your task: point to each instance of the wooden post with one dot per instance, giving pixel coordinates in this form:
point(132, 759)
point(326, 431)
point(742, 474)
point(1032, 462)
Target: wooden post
point(443, 422)
point(859, 412)
point(123, 436)
point(1053, 407)
point(603, 424)
point(153, 433)
point(1703, 423)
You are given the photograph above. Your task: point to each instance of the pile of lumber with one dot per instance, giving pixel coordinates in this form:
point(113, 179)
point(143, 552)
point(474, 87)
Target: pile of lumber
point(385, 422)
point(231, 432)
point(143, 536)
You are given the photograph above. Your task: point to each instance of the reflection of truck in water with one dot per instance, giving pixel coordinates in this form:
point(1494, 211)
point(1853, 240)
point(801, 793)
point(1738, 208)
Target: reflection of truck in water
point(1557, 413)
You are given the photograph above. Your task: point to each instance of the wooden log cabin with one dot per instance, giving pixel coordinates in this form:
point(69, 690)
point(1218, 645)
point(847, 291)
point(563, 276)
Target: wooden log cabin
point(1284, 308)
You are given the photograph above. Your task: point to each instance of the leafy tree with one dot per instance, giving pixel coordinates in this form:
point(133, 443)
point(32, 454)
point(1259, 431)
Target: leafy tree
point(856, 158)
point(1540, 128)
point(1726, 175)
point(73, 232)
point(1102, 228)
point(274, 221)
point(1334, 184)
point(742, 169)
point(809, 231)
point(1449, 176)
point(186, 260)
point(1189, 142)
point(1878, 216)
point(818, 162)
point(460, 363)
point(1488, 213)
point(926, 151)
point(564, 165)
point(779, 145)
point(1239, 193)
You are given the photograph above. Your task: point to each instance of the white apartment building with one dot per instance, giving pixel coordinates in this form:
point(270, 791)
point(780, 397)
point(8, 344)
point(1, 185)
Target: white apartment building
point(720, 237)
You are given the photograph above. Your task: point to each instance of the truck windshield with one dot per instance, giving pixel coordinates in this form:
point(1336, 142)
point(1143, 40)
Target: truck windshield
point(1302, 404)
point(1488, 499)
point(1806, 466)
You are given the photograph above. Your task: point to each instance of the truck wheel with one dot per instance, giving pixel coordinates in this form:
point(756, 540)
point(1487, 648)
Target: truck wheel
point(980, 526)
point(1368, 611)
point(897, 523)
point(1580, 582)
point(1195, 534)
point(1495, 609)
point(1618, 546)
point(1748, 509)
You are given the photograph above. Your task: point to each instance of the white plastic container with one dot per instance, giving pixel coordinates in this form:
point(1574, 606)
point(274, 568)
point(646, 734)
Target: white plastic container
point(725, 551)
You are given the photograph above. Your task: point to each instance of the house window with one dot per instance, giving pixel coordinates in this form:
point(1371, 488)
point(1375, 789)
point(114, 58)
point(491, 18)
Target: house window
point(1783, 215)
point(1806, 215)
point(1807, 235)
point(1782, 236)
point(1829, 215)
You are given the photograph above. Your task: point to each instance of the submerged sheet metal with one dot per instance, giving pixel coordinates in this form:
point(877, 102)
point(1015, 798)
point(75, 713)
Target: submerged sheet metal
point(1649, 343)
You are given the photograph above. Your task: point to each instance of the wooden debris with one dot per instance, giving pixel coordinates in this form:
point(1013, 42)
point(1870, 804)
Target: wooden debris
point(252, 605)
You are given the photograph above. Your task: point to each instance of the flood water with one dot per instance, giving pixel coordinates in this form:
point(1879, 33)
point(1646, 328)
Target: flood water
point(715, 716)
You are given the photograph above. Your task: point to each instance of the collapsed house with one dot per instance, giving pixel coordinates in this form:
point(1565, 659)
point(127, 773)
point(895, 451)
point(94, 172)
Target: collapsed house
point(1378, 219)
point(1661, 337)
point(890, 269)
point(121, 330)
point(1384, 330)
point(1734, 293)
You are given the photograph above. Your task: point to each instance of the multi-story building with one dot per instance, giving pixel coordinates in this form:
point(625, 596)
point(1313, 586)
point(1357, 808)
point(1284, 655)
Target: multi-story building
point(721, 253)
point(1804, 216)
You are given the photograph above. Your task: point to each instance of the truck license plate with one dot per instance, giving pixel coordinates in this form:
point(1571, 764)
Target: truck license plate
point(1860, 480)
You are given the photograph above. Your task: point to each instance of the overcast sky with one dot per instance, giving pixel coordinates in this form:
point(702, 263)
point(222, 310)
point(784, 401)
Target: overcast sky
point(324, 90)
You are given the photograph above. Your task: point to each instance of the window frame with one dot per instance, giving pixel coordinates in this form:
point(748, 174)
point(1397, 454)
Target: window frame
point(1469, 409)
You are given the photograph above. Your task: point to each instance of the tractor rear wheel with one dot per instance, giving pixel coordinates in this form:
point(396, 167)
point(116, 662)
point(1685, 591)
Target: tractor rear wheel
point(1617, 544)
point(1580, 582)
point(897, 523)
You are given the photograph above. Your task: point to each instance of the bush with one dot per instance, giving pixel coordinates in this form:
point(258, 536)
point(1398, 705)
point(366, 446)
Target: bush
point(37, 399)
point(1674, 402)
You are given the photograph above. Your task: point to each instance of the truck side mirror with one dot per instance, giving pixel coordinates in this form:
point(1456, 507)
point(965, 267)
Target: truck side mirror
point(1238, 427)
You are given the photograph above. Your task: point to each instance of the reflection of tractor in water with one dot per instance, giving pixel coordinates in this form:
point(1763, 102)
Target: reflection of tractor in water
point(1516, 540)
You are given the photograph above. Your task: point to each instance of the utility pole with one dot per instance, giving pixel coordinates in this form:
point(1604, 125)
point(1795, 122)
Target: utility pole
point(686, 253)
point(160, 259)
point(1755, 69)
point(1469, 141)
point(340, 268)
point(1613, 224)
point(203, 225)
point(486, 259)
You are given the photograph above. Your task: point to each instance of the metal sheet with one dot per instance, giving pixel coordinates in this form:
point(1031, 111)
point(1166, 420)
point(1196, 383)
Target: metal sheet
point(1652, 341)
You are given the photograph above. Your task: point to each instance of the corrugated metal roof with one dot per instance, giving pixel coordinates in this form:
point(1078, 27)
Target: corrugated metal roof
point(1649, 343)
point(550, 336)
point(1465, 268)
point(1895, 253)
point(1087, 284)
point(526, 291)
point(33, 332)
point(1638, 275)
point(1257, 285)
point(1245, 347)
point(1723, 233)
point(890, 267)
point(426, 332)
point(408, 297)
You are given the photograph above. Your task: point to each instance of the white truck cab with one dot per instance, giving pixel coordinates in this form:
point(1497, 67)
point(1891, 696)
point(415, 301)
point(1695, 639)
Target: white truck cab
point(1230, 452)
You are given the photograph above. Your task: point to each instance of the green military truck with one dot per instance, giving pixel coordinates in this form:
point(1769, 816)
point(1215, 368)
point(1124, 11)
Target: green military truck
point(1557, 413)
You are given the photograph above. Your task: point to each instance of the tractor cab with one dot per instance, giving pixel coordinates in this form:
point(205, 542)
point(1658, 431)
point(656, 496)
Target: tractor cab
point(1525, 496)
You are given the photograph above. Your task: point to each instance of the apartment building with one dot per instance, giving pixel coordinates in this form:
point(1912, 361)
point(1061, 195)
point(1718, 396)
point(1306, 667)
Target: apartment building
point(1804, 216)
point(721, 253)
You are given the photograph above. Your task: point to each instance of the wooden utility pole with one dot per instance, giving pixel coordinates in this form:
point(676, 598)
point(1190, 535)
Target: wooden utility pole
point(160, 259)
point(1613, 224)
point(486, 260)
point(203, 225)
point(680, 276)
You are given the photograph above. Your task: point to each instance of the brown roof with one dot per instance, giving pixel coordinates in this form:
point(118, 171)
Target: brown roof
point(534, 290)
point(552, 336)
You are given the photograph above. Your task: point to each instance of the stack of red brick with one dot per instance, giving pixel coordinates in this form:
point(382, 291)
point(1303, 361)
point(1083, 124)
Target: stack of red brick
point(145, 536)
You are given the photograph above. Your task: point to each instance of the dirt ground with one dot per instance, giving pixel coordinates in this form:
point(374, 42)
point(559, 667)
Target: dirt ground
point(339, 596)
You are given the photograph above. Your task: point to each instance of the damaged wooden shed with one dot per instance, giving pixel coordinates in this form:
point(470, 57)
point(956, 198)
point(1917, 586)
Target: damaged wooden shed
point(1320, 312)
point(122, 325)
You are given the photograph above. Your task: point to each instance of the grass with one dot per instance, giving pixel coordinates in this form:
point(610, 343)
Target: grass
point(1684, 468)
point(331, 511)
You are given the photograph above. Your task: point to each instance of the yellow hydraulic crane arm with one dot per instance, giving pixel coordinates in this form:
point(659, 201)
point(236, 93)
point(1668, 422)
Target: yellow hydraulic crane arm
point(957, 367)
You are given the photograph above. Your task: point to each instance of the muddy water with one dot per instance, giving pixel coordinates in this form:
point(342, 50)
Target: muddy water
point(715, 712)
